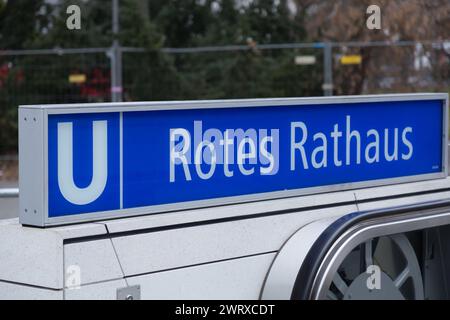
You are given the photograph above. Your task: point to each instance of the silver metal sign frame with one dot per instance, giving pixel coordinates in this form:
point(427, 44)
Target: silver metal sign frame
point(33, 153)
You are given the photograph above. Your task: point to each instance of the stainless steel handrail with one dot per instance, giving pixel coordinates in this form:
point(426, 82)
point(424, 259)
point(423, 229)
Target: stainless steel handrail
point(9, 192)
point(363, 231)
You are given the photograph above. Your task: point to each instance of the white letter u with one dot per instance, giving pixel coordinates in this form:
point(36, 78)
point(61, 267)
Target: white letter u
point(69, 190)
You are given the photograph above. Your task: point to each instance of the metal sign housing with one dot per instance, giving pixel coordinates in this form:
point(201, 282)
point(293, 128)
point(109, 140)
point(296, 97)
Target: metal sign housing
point(84, 162)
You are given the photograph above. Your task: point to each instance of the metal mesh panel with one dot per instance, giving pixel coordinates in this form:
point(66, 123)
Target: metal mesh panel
point(393, 69)
point(220, 75)
point(84, 75)
point(48, 78)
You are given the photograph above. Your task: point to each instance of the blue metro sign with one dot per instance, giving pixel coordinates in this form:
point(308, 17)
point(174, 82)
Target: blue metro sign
point(112, 161)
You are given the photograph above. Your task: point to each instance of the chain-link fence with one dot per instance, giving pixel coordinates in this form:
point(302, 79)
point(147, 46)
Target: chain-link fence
point(36, 78)
point(45, 78)
point(220, 74)
point(286, 70)
point(412, 67)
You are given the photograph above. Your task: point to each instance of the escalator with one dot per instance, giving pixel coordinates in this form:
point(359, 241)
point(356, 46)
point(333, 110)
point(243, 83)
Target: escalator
point(390, 254)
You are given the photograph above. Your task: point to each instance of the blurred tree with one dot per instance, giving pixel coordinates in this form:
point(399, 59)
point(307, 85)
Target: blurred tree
point(153, 75)
point(243, 74)
point(19, 24)
point(32, 79)
point(183, 22)
point(20, 21)
point(383, 69)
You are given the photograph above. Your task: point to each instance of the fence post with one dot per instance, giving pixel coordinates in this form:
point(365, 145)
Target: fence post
point(327, 85)
point(116, 56)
